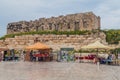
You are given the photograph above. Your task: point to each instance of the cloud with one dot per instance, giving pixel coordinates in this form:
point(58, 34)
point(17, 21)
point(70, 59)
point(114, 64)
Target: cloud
point(109, 10)
point(2, 30)
point(17, 10)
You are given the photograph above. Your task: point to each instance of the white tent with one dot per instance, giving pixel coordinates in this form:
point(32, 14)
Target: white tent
point(96, 45)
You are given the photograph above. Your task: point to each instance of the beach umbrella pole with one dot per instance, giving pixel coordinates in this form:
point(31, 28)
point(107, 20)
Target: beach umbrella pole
point(98, 62)
point(98, 65)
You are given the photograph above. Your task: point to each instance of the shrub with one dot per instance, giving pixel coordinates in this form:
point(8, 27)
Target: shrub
point(47, 32)
point(112, 36)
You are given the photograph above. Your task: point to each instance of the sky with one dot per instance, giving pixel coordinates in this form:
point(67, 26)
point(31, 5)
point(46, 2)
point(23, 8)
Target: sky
point(19, 10)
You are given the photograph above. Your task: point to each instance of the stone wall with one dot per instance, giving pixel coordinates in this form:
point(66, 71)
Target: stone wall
point(71, 22)
point(54, 41)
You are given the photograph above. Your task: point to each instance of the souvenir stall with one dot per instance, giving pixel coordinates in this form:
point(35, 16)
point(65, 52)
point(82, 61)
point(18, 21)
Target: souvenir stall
point(66, 54)
point(2, 53)
point(38, 52)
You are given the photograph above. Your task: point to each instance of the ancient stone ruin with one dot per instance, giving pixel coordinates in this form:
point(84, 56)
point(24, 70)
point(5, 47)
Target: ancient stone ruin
point(54, 41)
point(71, 22)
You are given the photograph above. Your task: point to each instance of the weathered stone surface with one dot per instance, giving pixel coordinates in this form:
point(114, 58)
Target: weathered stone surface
point(72, 22)
point(54, 41)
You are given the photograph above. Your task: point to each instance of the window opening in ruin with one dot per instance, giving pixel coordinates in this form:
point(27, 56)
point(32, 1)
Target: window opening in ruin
point(36, 40)
point(56, 27)
point(85, 24)
point(27, 29)
point(50, 26)
point(42, 23)
point(36, 28)
point(68, 25)
point(76, 26)
point(67, 35)
point(42, 27)
point(11, 27)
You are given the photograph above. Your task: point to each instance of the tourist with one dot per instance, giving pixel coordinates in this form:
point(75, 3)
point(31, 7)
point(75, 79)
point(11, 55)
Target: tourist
point(31, 55)
point(23, 56)
point(0, 56)
point(95, 60)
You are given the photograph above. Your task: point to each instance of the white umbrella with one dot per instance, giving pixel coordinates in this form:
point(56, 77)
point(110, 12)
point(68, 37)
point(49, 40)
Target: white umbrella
point(96, 45)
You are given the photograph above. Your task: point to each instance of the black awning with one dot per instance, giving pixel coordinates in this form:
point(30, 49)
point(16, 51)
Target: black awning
point(66, 49)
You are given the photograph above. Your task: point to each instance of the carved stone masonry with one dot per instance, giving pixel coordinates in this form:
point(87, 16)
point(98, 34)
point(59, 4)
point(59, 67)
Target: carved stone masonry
point(71, 22)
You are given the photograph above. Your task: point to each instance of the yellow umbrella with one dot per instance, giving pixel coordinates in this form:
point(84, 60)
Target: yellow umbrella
point(3, 48)
point(38, 46)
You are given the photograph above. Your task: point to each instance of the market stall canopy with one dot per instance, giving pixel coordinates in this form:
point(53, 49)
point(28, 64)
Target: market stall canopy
point(38, 46)
point(17, 47)
point(96, 45)
point(67, 49)
point(3, 48)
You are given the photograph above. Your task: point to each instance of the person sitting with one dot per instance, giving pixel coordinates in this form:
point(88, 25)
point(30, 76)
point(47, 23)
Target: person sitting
point(108, 60)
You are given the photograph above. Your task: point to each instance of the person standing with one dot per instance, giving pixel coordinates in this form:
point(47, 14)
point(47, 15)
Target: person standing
point(31, 56)
point(0, 56)
point(95, 60)
point(23, 56)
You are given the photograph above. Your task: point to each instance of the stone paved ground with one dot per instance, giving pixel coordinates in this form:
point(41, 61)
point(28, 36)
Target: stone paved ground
point(57, 71)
